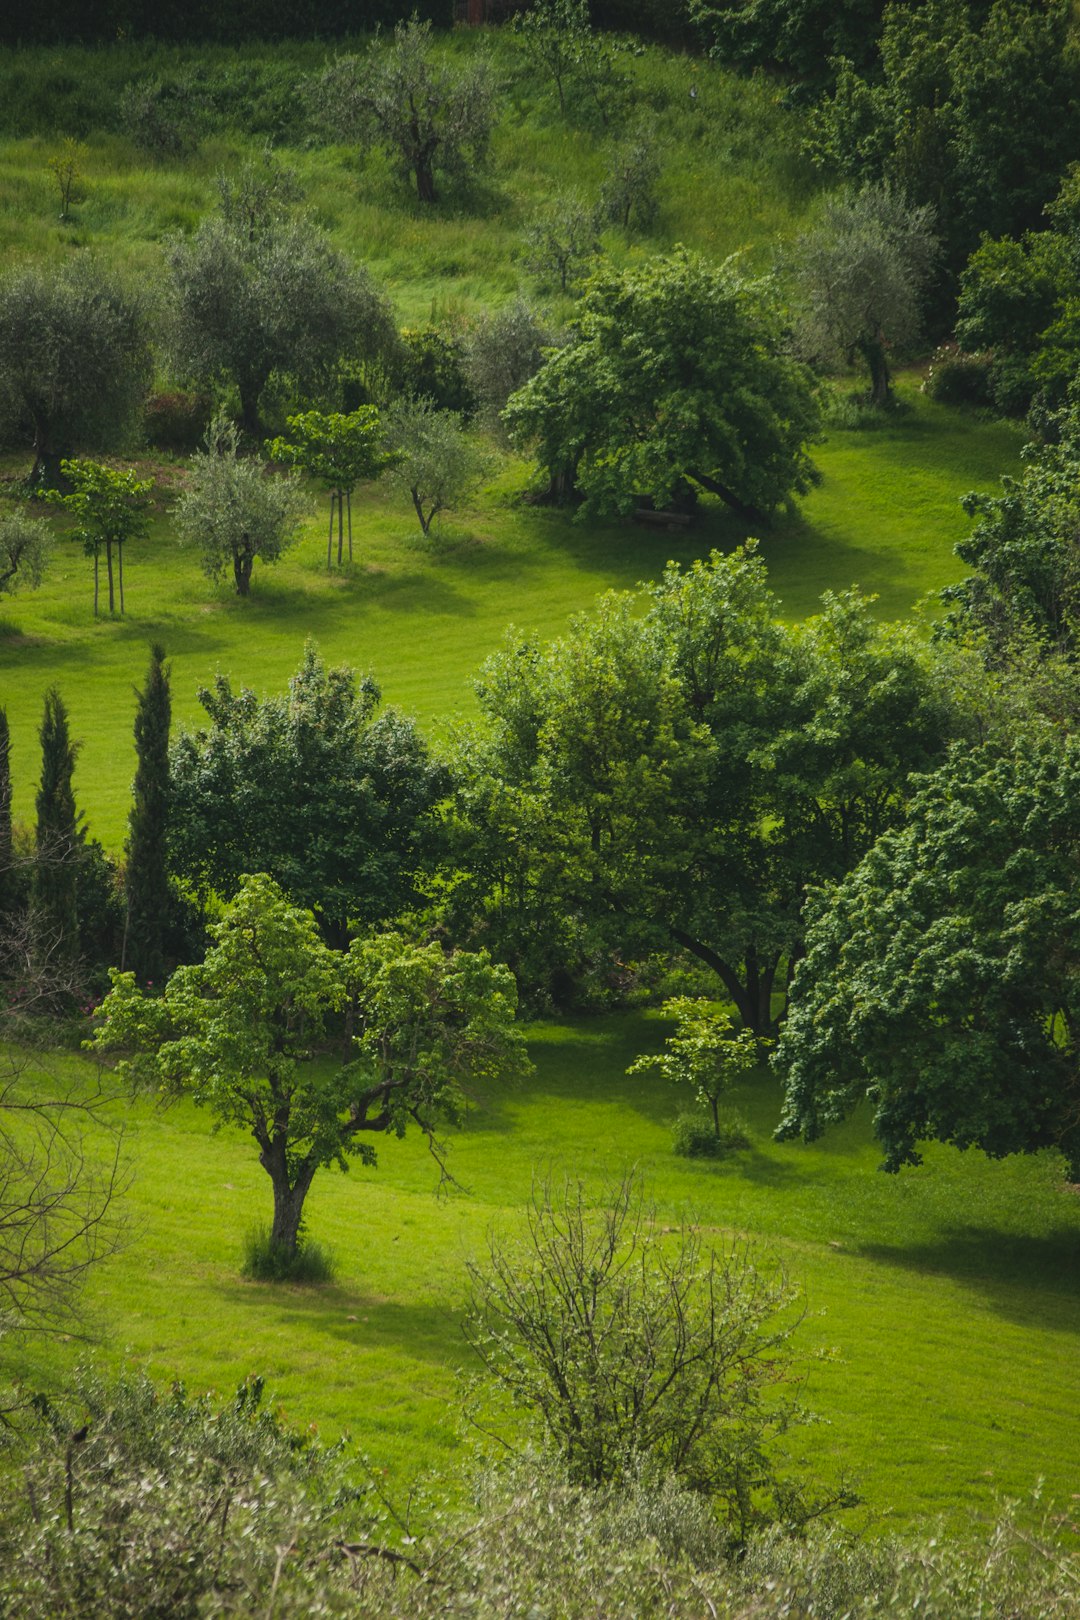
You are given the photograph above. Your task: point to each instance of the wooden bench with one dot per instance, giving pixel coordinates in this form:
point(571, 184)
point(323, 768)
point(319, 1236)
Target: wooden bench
point(662, 520)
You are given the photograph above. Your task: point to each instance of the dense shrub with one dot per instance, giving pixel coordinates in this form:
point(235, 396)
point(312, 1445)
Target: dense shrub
point(177, 421)
point(956, 378)
point(267, 1261)
point(694, 1136)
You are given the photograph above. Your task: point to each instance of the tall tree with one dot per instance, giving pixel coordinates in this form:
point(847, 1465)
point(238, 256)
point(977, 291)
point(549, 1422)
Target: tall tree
point(675, 370)
point(238, 1030)
point(941, 978)
point(146, 882)
point(58, 844)
point(269, 301)
point(7, 845)
point(75, 360)
point(859, 276)
point(110, 508)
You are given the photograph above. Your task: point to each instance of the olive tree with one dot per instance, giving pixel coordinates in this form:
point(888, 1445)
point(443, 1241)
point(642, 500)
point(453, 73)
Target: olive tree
point(235, 510)
point(75, 360)
point(429, 117)
point(859, 276)
point(435, 462)
point(268, 301)
point(25, 543)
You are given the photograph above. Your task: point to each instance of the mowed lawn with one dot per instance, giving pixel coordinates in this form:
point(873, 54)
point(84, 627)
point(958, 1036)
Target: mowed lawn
point(941, 1313)
point(421, 615)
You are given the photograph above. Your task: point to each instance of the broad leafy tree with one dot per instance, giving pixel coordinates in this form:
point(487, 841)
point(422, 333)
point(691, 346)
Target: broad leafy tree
point(270, 301)
point(677, 780)
point(859, 275)
point(431, 117)
point(674, 371)
point(580, 63)
point(800, 35)
point(25, 544)
point(705, 1052)
point(75, 361)
point(333, 799)
point(941, 977)
point(339, 450)
point(109, 508)
point(235, 510)
point(239, 1032)
point(146, 882)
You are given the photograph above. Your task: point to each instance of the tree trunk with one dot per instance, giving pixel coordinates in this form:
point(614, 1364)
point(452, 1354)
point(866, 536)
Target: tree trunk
point(340, 529)
point(873, 352)
point(348, 498)
point(425, 180)
point(112, 587)
point(749, 514)
point(288, 1196)
point(242, 565)
point(425, 519)
point(120, 573)
point(96, 581)
point(330, 534)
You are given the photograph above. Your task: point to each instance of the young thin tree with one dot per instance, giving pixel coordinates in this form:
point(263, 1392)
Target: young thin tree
point(235, 510)
point(58, 844)
point(110, 508)
point(340, 451)
point(146, 880)
point(435, 461)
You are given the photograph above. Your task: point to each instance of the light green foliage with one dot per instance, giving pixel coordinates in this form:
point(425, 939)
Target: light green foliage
point(110, 508)
point(236, 511)
point(74, 358)
point(940, 977)
point(562, 241)
point(705, 1052)
point(335, 801)
point(859, 276)
point(25, 545)
point(240, 1030)
point(340, 450)
point(435, 462)
point(674, 371)
point(430, 117)
point(67, 165)
point(636, 1351)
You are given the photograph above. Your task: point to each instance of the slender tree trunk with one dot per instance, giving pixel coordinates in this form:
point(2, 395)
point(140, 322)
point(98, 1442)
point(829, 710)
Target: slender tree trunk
point(348, 498)
point(330, 533)
point(340, 529)
point(97, 581)
point(425, 520)
point(120, 572)
point(112, 587)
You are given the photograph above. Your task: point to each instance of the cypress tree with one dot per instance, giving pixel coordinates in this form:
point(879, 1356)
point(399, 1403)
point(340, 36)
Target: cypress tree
point(146, 883)
point(58, 843)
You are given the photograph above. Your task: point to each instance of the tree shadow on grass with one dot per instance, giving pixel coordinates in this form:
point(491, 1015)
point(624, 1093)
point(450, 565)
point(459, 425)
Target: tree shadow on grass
point(1027, 1279)
point(425, 1332)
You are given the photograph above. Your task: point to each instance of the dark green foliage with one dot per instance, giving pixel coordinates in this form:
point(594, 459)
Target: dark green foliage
point(163, 116)
point(801, 35)
point(973, 110)
point(75, 362)
point(59, 840)
point(333, 800)
point(941, 978)
point(271, 302)
point(956, 378)
point(63, 21)
point(675, 370)
point(100, 903)
point(177, 421)
point(146, 883)
point(432, 366)
point(1023, 549)
point(504, 349)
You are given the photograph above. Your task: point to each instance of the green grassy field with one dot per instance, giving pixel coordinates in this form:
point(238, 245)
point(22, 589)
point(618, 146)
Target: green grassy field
point(941, 1313)
point(941, 1316)
point(422, 615)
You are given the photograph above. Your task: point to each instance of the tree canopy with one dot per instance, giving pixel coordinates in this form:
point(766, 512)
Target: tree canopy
point(940, 978)
point(240, 1030)
point(674, 370)
point(331, 798)
point(75, 361)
